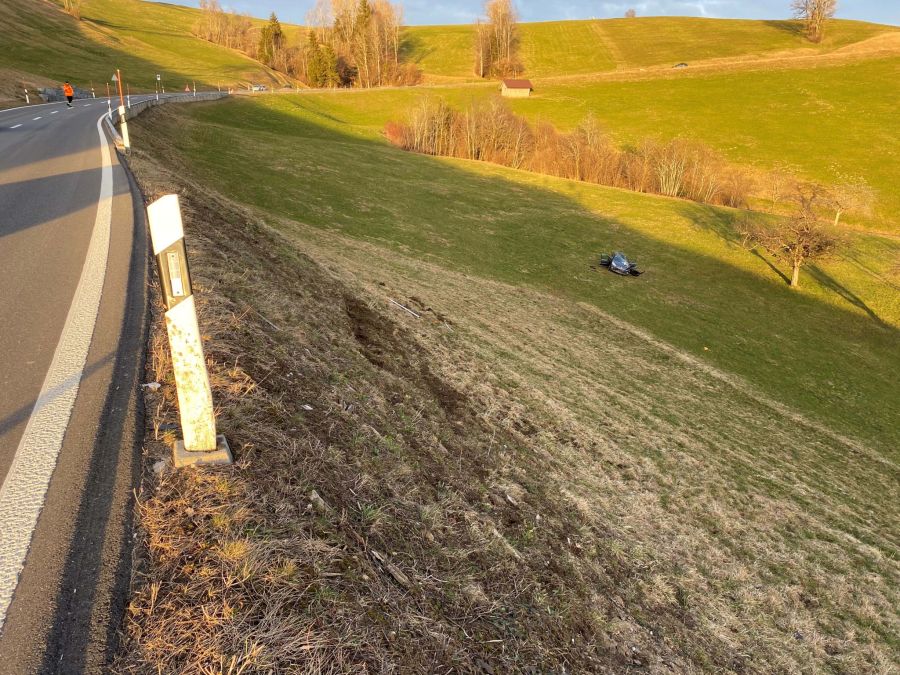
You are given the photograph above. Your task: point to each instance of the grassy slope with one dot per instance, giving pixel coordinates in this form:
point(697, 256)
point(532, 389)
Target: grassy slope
point(141, 38)
point(820, 121)
point(805, 349)
point(561, 48)
point(546, 514)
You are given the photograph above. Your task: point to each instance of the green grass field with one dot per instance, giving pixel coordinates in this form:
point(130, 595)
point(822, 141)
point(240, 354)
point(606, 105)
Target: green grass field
point(140, 38)
point(695, 470)
point(714, 452)
point(561, 48)
point(822, 122)
point(296, 157)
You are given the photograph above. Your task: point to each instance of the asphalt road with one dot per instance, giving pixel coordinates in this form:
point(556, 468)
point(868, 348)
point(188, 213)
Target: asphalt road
point(73, 271)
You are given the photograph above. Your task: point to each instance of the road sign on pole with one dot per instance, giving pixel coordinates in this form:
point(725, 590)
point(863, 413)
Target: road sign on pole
point(201, 445)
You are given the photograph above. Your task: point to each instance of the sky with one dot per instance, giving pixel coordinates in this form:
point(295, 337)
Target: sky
point(421, 12)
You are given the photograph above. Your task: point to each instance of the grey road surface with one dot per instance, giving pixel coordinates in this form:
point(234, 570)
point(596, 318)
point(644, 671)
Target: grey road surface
point(73, 270)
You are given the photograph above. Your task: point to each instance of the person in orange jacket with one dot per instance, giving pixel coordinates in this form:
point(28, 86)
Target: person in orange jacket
point(69, 92)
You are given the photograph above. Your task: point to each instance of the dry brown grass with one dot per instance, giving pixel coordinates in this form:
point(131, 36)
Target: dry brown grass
point(478, 490)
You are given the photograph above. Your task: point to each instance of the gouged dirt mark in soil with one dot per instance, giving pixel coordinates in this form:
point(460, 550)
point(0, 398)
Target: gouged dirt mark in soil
point(466, 492)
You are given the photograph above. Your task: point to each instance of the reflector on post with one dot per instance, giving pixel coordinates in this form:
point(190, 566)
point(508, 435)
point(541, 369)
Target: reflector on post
point(201, 445)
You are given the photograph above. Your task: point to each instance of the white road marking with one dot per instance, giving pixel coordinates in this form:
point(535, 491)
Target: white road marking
point(36, 119)
point(25, 487)
point(54, 112)
point(16, 126)
point(20, 107)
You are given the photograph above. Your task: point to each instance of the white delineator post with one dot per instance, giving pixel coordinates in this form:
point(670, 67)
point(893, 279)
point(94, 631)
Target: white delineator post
point(201, 445)
point(123, 125)
point(27, 100)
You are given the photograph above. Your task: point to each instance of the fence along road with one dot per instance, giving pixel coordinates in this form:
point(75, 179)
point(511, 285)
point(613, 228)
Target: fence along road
point(73, 267)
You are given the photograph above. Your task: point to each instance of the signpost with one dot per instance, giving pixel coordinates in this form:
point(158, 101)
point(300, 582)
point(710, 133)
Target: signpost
point(201, 444)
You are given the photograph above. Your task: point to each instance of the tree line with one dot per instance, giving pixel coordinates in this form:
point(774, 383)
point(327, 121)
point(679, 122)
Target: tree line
point(808, 213)
point(489, 131)
point(351, 43)
point(356, 43)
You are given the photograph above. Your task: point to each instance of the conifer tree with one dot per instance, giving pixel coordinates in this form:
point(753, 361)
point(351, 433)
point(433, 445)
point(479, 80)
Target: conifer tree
point(330, 67)
point(271, 42)
point(315, 70)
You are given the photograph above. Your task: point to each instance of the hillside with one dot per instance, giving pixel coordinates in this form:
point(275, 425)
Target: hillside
point(461, 446)
point(41, 44)
point(565, 48)
point(539, 466)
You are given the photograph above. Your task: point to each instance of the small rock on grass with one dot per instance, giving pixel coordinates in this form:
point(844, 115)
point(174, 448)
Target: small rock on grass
point(317, 502)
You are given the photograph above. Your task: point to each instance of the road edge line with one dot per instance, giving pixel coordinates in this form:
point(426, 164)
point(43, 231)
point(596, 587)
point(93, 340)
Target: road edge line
point(25, 486)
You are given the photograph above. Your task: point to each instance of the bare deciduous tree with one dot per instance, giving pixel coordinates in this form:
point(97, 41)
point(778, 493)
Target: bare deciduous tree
point(851, 193)
point(497, 41)
point(782, 180)
point(814, 14)
point(630, 14)
point(228, 29)
point(489, 131)
point(365, 38)
point(799, 239)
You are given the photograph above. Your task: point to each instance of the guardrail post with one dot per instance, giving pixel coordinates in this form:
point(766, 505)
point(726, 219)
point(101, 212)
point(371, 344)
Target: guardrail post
point(201, 445)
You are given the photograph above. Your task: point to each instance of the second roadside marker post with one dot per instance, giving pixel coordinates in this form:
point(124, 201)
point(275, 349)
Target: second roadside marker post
point(201, 445)
point(123, 121)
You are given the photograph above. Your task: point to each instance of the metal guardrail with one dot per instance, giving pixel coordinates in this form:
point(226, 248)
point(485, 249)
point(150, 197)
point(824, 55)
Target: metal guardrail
point(137, 108)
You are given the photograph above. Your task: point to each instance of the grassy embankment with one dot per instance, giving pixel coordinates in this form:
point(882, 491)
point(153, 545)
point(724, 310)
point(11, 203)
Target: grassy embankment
point(41, 44)
point(725, 446)
point(551, 467)
point(703, 281)
point(565, 48)
point(820, 122)
point(520, 478)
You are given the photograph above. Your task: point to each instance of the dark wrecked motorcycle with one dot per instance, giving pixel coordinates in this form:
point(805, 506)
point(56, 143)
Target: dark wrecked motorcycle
point(618, 263)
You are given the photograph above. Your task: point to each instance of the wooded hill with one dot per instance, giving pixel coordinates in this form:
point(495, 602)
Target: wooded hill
point(39, 43)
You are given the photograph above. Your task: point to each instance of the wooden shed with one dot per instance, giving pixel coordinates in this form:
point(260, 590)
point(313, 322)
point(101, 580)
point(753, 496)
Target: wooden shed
point(516, 88)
